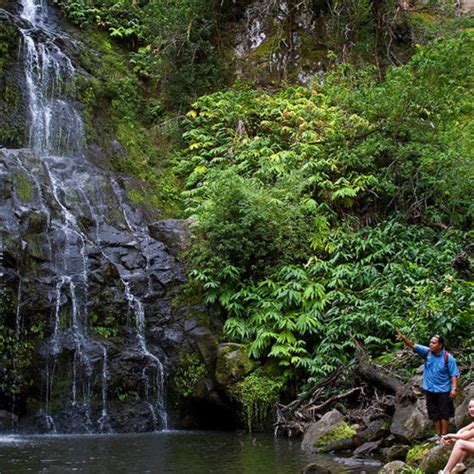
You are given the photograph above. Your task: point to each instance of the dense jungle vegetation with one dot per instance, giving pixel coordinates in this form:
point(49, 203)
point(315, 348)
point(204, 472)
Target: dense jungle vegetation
point(324, 213)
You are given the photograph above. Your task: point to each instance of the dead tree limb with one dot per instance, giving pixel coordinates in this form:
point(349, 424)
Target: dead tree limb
point(312, 393)
point(375, 374)
point(348, 393)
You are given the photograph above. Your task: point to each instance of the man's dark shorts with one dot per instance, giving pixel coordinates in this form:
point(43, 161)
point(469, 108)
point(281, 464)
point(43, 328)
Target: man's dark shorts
point(440, 405)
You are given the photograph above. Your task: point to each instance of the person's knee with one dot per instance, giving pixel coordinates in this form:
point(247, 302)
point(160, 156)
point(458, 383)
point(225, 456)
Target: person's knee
point(465, 445)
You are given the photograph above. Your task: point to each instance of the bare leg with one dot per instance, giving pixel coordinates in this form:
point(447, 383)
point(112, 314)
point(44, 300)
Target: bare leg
point(444, 426)
point(464, 456)
point(459, 452)
point(438, 426)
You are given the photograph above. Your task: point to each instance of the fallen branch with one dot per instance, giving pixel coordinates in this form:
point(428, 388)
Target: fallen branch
point(312, 393)
point(374, 373)
point(348, 393)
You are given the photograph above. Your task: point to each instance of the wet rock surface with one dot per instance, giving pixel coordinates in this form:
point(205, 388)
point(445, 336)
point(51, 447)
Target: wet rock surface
point(88, 279)
point(8, 421)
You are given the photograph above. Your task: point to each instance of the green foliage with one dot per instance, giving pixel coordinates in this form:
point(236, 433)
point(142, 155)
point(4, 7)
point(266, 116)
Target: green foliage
point(245, 230)
point(370, 282)
point(411, 470)
point(17, 349)
point(188, 373)
point(105, 326)
point(116, 110)
point(256, 394)
point(417, 452)
point(170, 41)
point(427, 25)
point(354, 144)
point(124, 394)
point(335, 212)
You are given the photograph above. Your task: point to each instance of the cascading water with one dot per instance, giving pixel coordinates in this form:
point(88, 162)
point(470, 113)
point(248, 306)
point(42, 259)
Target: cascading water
point(74, 204)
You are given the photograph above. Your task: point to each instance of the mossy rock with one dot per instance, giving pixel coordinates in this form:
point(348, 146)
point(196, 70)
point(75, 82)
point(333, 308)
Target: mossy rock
point(24, 188)
point(37, 222)
point(121, 133)
point(9, 40)
point(233, 363)
point(435, 459)
point(394, 467)
point(334, 435)
point(37, 247)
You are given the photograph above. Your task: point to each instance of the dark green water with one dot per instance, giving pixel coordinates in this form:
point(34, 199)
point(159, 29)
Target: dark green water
point(177, 452)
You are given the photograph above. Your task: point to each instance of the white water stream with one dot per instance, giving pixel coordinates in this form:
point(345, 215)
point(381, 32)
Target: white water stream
point(56, 138)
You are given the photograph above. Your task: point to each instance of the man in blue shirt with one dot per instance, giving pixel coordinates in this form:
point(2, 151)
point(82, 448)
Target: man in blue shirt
point(440, 380)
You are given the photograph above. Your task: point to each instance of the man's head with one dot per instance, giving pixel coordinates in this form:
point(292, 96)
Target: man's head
point(436, 344)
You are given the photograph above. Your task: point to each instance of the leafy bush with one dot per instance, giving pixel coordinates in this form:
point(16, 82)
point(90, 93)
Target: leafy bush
point(170, 41)
point(189, 372)
point(369, 283)
point(335, 211)
point(243, 231)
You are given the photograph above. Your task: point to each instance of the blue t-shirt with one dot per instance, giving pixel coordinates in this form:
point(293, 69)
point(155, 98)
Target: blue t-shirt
point(437, 374)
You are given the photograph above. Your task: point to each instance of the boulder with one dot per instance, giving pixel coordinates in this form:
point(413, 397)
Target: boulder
point(396, 452)
point(435, 459)
point(233, 363)
point(394, 467)
point(375, 429)
point(367, 448)
point(410, 420)
point(175, 233)
point(132, 416)
point(459, 468)
point(331, 428)
point(315, 469)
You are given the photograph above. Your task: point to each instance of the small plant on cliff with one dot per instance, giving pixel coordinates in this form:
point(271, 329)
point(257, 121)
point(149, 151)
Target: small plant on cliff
point(256, 395)
point(417, 453)
point(189, 372)
point(17, 349)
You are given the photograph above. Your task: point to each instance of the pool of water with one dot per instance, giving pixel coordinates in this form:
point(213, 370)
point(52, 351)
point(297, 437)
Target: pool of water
point(178, 452)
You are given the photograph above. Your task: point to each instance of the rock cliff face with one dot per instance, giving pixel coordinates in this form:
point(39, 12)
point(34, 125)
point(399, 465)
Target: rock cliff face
point(86, 289)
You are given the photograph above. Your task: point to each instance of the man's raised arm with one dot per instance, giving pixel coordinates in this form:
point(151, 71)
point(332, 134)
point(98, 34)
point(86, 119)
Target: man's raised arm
point(405, 339)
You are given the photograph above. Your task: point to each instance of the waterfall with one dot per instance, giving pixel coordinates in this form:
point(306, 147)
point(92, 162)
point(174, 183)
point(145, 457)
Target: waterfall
point(66, 192)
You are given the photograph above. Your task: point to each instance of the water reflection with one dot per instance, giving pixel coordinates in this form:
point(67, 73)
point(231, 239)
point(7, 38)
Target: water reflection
point(173, 452)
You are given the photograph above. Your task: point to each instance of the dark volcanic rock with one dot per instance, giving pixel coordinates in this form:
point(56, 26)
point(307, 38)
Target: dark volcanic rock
point(174, 233)
point(8, 421)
